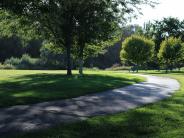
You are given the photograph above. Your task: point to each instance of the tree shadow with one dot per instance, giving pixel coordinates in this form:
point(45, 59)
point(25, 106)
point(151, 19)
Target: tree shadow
point(28, 89)
point(162, 119)
point(149, 121)
point(44, 115)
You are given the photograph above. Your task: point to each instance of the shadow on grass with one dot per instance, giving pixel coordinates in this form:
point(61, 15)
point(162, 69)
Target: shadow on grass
point(35, 88)
point(163, 119)
point(158, 120)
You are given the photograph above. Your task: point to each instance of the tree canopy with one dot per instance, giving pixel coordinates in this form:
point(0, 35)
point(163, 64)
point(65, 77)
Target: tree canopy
point(171, 52)
point(62, 21)
point(167, 27)
point(137, 49)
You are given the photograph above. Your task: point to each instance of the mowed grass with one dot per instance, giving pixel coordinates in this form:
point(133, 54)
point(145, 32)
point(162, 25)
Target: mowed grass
point(27, 87)
point(164, 119)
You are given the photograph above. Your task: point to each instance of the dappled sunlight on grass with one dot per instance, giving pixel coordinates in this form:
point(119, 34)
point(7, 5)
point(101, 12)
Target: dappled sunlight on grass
point(163, 119)
point(25, 87)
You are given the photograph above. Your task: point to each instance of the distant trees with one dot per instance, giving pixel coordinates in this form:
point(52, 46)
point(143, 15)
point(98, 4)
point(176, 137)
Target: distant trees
point(17, 38)
point(10, 47)
point(160, 30)
point(137, 49)
point(171, 53)
point(52, 57)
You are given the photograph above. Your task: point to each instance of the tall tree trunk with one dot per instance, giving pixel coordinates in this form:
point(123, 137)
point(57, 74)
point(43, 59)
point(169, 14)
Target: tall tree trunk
point(68, 49)
point(81, 62)
point(69, 67)
point(137, 68)
point(167, 67)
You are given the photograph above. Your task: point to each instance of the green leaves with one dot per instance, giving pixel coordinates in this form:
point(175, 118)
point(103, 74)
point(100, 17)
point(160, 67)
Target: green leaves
point(171, 51)
point(137, 49)
point(11, 24)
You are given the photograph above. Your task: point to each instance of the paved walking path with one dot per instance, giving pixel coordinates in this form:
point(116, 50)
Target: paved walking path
point(38, 116)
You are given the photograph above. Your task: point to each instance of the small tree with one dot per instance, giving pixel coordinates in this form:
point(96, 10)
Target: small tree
point(171, 52)
point(137, 49)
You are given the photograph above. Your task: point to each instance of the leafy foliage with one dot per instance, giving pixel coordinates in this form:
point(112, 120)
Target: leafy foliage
point(64, 22)
point(52, 57)
point(137, 49)
point(17, 37)
point(171, 52)
point(160, 30)
point(25, 62)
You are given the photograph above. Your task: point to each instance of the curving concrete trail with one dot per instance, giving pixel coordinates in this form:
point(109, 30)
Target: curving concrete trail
point(25, 118)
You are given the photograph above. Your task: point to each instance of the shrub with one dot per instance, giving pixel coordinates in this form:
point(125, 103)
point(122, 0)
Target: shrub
point(137, 50)
point(171, 53)
point(118, 68)
point(6, 66)
point(25, 62)
point(12, 61)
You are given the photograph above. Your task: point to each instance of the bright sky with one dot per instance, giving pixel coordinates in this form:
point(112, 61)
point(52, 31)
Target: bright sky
point(166, 8)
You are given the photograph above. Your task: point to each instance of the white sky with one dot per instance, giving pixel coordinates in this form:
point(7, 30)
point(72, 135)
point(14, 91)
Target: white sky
point(166, 8)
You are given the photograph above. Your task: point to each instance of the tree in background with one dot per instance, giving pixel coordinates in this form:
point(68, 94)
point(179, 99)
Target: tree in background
point(171, 53)
point(161, 30)
point(10, 47)
point(129, 30)
point(17, 39)
point(52, 57)
point(59, 20)
point(95, 24)
point(137, 49)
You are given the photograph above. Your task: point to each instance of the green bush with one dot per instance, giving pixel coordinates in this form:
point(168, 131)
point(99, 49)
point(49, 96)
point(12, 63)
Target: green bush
point(12, 61)
point(124, 68)
point(28, 63)
point(171, 53)
point(137, 50)
point(25, 62)
point(6, 66)
point(117, 67)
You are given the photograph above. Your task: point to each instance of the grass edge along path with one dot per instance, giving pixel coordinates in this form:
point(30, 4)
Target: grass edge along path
point(163, 120)
point(20, 87)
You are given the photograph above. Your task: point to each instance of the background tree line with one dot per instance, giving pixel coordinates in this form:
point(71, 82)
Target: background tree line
point(96, 36)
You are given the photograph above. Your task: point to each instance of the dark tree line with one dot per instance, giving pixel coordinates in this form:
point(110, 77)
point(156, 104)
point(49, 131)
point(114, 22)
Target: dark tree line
point(13, 47)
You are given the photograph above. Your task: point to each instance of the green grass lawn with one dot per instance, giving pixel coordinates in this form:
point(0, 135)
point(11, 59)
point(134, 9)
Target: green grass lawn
point(164, 119)
point(26, 87)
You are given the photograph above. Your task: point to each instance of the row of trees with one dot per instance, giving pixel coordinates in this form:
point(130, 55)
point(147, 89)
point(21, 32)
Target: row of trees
point(74, 23)
point(17, 39)
point(139, 50)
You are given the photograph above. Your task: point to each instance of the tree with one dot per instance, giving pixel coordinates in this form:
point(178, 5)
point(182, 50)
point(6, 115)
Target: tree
point(59, 19)
point(16, 38)
point(94, 28)
point(137, 49)
point(171, 52)
point(10, 47)
point(161, 30)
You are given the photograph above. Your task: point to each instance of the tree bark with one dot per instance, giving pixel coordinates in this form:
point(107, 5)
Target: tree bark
point(68, 52)
point(137, 68)
point(166, 70)
point(69, 67)
point(81, 62)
